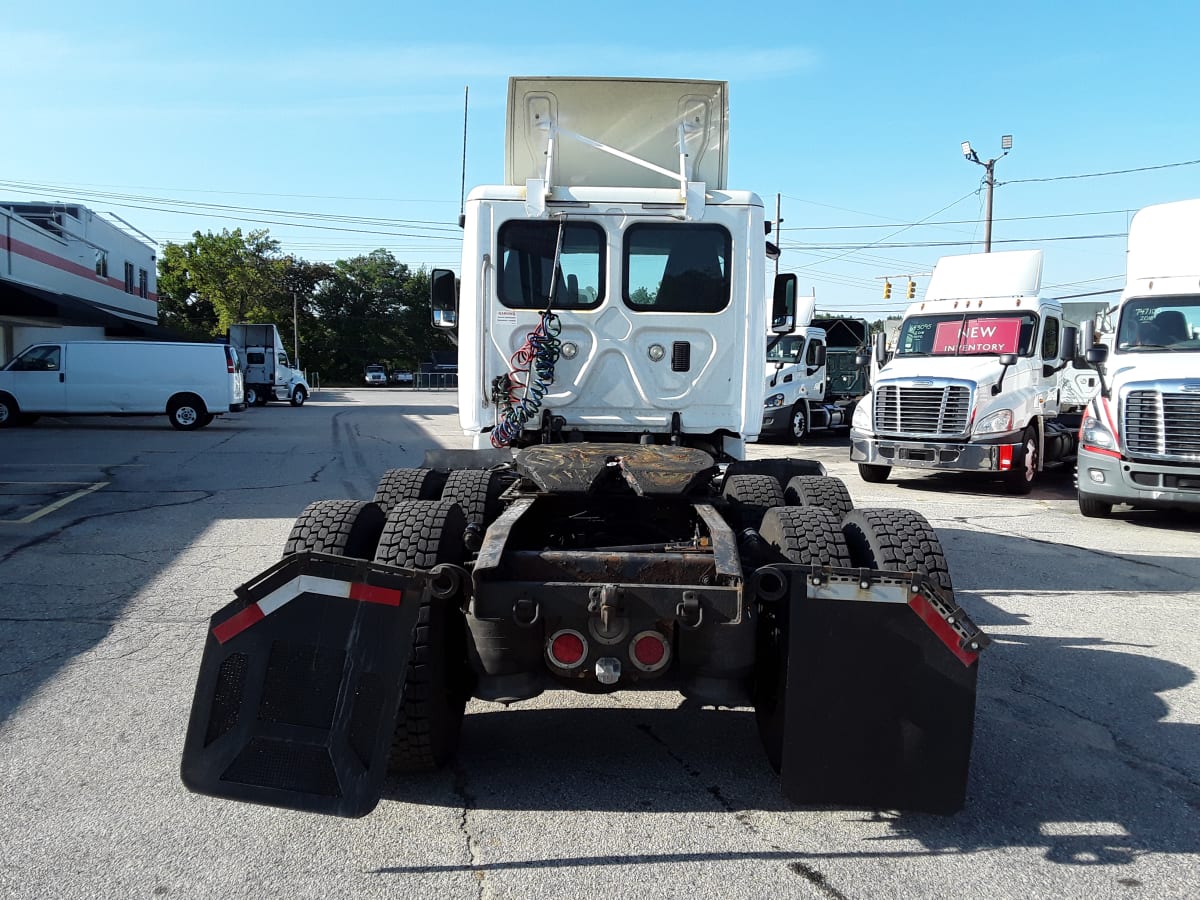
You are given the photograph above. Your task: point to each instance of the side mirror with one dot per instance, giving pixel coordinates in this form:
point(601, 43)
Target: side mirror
point(880, 349)
point(783, 304)
point(1097, 355)
point(1008, 359)
point(443, 298)
point(862, 360)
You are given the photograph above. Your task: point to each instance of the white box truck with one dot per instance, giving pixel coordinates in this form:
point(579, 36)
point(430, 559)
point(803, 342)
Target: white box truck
point(974, 384)
point(1140, 438)
point(189, 383)
point(269, 375)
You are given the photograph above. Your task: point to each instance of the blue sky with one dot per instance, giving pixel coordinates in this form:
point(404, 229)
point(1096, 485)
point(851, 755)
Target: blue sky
point(852, 113)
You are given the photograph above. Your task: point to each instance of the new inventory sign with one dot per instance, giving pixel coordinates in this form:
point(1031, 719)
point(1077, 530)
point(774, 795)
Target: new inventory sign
point(977, 336)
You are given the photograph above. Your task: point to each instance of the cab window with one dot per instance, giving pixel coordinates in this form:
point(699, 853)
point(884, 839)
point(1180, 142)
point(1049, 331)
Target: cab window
point(676, 268)
point(38, 359)
point(1050, 339)
point(527, 250)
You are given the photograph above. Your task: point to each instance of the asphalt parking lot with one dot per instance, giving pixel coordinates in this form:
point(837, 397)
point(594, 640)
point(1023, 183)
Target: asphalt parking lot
point(119, 537)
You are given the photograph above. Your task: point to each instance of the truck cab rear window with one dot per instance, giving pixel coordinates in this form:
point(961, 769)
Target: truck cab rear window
point(527, 260)
point(677, 268)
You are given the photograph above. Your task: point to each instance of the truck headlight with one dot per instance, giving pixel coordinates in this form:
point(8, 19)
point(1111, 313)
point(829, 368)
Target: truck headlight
point(1096, 434)
point(862, 415)
point(995, 423)
point(773, 402)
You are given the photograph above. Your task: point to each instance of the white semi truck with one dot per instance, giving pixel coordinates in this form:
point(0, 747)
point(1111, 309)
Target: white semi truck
point(1140, 440)
point(606, 532)
point(269, 374)
point(813, 379)
point(974, 384)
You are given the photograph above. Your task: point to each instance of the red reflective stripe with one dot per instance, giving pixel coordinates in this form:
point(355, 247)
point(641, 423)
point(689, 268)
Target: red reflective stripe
point(939, 626)
point(371, 594)
point(237, 623)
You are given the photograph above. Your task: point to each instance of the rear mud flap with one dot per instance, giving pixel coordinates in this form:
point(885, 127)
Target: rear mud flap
point(299, 685)
point(878, 700)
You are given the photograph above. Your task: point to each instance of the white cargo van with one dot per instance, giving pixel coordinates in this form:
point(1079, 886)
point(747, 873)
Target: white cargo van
point(189, 383)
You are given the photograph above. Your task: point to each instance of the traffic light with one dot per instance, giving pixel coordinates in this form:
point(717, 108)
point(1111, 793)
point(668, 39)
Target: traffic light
point(912, 289)
point(887, 290)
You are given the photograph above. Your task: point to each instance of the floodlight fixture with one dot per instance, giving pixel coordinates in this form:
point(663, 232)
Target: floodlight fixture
point(966, 149)
point(1006, 142)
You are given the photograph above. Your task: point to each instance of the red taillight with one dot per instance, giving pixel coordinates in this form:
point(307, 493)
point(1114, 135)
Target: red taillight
point(566, 648)
point(649, 651)
point(229, 367)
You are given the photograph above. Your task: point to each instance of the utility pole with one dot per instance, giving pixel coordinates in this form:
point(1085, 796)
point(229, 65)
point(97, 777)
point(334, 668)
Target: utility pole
point(990, 180)
point(295, 333)
point(778, 237)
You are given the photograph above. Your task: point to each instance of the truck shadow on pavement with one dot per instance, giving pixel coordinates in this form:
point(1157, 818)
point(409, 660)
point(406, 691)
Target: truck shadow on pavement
point(1073, 752)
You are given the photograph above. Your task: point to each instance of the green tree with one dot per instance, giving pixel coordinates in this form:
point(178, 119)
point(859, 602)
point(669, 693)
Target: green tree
point(371, 309)
point(215, 280)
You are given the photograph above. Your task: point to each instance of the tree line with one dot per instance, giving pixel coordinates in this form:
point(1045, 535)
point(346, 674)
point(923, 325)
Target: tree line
point(350, 313)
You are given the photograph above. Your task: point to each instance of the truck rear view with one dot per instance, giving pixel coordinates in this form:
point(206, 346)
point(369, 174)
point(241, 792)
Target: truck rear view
point(605, 532)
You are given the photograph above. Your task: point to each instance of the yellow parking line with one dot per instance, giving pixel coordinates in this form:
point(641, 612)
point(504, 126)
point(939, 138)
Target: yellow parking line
point(57, 504)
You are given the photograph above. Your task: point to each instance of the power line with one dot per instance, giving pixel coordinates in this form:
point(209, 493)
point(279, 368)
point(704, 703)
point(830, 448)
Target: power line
point(962, 221)
point(1190, 162)
point(852, 247)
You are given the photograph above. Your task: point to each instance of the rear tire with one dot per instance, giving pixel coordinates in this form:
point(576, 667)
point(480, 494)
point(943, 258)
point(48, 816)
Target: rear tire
point(422, 534)
point(808, 535)
point(299, 395)
point(1093, 508)
point(187, 412)
point(874, 474)
point(897, 540)
point(819, 490)
point(340, 527)
point(748, 497)
point(478, 492)
point(408, 484)
point(250, 397)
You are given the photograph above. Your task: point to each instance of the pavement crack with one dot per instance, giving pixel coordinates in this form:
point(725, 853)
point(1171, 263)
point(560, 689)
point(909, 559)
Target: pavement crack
point(464, 825)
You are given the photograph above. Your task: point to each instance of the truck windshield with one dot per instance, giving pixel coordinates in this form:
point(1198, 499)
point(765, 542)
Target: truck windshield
point(982, 334)
point(527, 260)
point(1157, 324)
point(787, 349)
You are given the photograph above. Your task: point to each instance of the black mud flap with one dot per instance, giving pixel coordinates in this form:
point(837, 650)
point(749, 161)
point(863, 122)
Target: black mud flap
point(877, 706)
point(299, 686)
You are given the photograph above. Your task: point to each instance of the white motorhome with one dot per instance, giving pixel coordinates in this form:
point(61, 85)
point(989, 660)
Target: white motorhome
point(974, 384)
point(269, 374)
point(189, 383)
point(1140, 440)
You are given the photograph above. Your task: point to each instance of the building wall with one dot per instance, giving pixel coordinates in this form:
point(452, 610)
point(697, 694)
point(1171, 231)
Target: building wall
point(70, 250)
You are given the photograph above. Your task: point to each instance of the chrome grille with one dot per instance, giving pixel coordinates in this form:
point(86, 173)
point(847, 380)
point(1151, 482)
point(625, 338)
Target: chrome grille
point(922, 411)
point(1162, 425)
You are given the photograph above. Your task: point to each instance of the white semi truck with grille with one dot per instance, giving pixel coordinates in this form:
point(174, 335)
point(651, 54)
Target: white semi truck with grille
point(1140, 440)
point(605, 533)
point(975, 382)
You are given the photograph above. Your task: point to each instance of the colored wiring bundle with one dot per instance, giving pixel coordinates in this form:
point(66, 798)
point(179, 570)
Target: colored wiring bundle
point(530, 376)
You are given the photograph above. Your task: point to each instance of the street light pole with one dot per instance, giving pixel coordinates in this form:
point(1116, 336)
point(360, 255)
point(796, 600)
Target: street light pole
point(989, 179)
